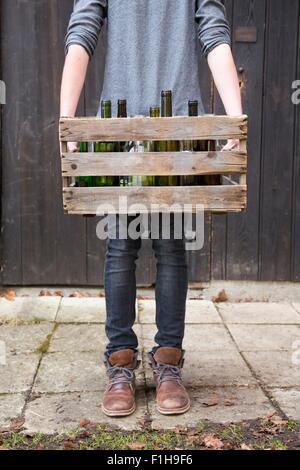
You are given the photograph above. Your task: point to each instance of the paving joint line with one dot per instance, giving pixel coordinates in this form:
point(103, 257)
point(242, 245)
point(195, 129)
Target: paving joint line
point(148, 424)
point(57, 310)
point(28, 393)
point(271, 399)
point(294, 308)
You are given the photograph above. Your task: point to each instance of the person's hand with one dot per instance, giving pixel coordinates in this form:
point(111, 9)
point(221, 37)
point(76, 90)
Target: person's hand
point(232, 144)
point(72, 147)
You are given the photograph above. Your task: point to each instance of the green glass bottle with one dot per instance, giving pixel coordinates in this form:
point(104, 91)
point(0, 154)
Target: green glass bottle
point(105, 147)
point(212, 180)
point(84, 181)
point(151, 146)
point(123, 146)
point(170, 145)
point(189, 145)
point(208, 146)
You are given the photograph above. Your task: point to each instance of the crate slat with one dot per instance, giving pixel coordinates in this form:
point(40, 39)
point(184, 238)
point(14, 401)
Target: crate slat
point(176, 128)
point(231, 196)
point(213, 198)
point(143, 164)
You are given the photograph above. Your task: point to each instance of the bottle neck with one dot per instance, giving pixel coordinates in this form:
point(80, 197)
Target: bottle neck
point(122, 110)
point(193, 108)
point(106, 110)
point(155, 112)
point(166, 106)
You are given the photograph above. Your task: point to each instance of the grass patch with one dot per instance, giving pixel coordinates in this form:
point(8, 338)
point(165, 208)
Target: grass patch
point(245, 435)
point(17, 321)
point(44, 346)
point(232, 433)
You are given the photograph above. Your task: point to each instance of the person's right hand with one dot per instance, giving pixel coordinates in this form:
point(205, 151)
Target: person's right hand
point(72, 147)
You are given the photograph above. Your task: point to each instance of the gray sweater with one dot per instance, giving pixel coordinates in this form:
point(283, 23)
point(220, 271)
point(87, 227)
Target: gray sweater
point(152, 45)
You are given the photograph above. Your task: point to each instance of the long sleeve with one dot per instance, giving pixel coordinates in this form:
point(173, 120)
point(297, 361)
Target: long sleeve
point(213, 26)
point(85, 24)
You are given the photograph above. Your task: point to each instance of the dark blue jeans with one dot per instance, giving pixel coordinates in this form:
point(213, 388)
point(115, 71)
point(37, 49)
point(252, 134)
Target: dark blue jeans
point(120, 290)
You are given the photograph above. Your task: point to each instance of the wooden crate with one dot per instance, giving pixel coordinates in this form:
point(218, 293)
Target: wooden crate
point(231, 196)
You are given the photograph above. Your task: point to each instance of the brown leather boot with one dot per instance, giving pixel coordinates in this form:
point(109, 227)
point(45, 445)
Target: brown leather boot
point(171, 395)
point(119, 397)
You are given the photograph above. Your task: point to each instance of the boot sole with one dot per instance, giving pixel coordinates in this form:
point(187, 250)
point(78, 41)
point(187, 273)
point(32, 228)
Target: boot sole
point(178, 411)
point(118, 413)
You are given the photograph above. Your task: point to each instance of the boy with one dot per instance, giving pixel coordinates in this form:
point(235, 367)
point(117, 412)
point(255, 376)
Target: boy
point(152, 45)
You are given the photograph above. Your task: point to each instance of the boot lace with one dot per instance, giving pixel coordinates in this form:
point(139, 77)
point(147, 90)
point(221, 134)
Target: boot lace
point(166, 372)
point(119, 375)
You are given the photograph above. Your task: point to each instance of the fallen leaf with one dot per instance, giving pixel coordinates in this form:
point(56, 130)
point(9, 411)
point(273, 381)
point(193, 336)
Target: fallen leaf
point(16, 424)
point(9, 294)
point(69, 445)
point(178, 429)
point(221, 297)
point(245, 447)
point(58, 293)
point(76, 294)
point(136, 446)
point(279, 422)
point(45, 293)
point(228, 446)
point(84, 434)
point(84, 422)
point(4, 430)
point(144, 420)
point(269, 415)
point(212, 442)
point(40, 447)
point(228, 402)
point(212, 400)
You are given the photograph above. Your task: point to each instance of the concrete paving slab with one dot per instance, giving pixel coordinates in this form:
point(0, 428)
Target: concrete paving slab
point(260, 313)
point(213, 369)
point(62, 412)
point(275, 368)
point(216, 368)
point(24, 338)
point(296, 306)
point(234, 404)
point(289, 401)
point(69, 372)
point(11, 407)
point(203, 338)
point(265, 337)
point(18, 373)
point(81, 337)
point(197, 311)
point(73, 371)
point(81, 310)
point(29, 308)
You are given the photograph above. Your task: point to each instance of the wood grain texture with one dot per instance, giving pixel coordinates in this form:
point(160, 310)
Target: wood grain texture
point(178, 163)
point(219, 221)
point(199, 261)
point(177, 128)
point(95, 248)
point(217, 198)
point(278, 142)
point(296, 172)
point(242, 239)
point(43, 245)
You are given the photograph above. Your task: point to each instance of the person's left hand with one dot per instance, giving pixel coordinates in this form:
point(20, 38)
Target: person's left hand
point(232, 144)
